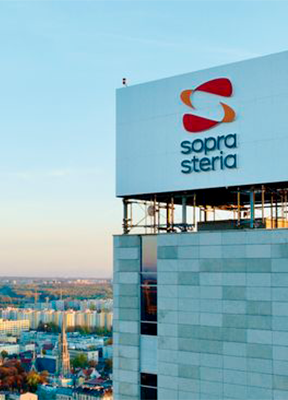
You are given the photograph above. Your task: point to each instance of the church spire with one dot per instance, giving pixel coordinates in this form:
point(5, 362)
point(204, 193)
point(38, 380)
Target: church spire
point(33, 362)
point(63, 355)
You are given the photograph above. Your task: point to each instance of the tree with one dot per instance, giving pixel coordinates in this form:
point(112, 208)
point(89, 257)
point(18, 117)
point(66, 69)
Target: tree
point(108, 364)
point(40, 327)
point(80, 361)
point(44, 375)
point(34, 379)
point(4, 354)
point(48, 327)
point(12, 376)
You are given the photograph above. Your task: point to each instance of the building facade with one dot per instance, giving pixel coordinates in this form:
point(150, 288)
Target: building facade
point(201, 270)
point(221, 316)
point(88, 318)
point(10, 348)
point(14, 327)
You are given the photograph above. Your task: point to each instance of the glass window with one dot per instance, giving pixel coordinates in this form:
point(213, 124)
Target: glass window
point(148, 393)
point(148, 303)
point(149, 328)
point(149, 285)
point(149, 278)
point(148, 379)
point(149, 254)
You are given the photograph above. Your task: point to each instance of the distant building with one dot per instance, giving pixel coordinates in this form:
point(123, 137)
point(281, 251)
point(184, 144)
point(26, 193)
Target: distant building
point(70, 319)
point(63, 354)
point(58, 305)
point(13, 327)
point(92, 355)
point(24, 396)
point(28, 396)
point(10, 348)
point(46, 392)
point(90, 319)
point(8, 339)
point(58, 317)
point(63, 393)
point(100, 321)
point(47, 363)
point(109, 320)
point(79, 318)
point(83, 394)
point(85, 318)
point(27, 347)
point(92, 394)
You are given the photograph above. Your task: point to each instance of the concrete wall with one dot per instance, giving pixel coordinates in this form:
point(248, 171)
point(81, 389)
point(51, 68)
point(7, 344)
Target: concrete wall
point(126, 318)
point(222, 315)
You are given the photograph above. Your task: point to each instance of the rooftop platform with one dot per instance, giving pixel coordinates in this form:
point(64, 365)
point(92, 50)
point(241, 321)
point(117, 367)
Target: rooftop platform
point(235, 207)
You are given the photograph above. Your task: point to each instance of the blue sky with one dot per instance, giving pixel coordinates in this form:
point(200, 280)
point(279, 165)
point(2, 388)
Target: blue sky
point(61, 62)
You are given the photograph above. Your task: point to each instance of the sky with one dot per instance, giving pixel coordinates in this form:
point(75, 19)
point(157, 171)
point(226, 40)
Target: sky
point(61, 62)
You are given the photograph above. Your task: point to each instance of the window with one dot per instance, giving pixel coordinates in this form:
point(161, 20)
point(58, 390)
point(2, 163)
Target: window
point(148, 393)
point(148, 278)
point(148, 328)
point(149, 260)
point(149, 303)
point(149, 285)
point(148, 386)
point(149, 254)
point(148, 379)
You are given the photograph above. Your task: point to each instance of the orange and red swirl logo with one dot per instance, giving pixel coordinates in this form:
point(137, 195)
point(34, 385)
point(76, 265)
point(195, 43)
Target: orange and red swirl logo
point(221, 87)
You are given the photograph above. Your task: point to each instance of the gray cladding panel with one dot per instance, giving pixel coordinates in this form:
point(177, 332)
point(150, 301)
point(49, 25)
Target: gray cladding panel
point(222, 315)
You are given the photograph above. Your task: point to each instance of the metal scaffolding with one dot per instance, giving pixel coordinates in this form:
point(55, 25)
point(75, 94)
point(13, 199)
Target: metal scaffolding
point(259, 206)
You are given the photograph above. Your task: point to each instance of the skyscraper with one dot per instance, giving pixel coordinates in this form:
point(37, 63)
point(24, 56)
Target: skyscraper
point(201, 288)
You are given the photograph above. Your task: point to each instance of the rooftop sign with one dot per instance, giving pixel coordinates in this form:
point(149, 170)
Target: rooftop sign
point(224, 126)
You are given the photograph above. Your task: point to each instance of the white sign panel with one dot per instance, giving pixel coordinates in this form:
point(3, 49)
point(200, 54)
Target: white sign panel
point(220, 127)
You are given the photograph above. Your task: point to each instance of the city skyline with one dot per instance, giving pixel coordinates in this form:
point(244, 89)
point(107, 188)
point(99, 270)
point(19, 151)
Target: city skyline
point(61, 64)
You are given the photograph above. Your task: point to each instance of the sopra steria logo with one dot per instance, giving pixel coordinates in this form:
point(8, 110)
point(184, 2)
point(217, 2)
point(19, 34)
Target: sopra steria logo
point(206, 146)
point(221, 87)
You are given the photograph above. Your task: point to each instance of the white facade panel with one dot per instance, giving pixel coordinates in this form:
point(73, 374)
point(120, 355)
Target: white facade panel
point(150, 129)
